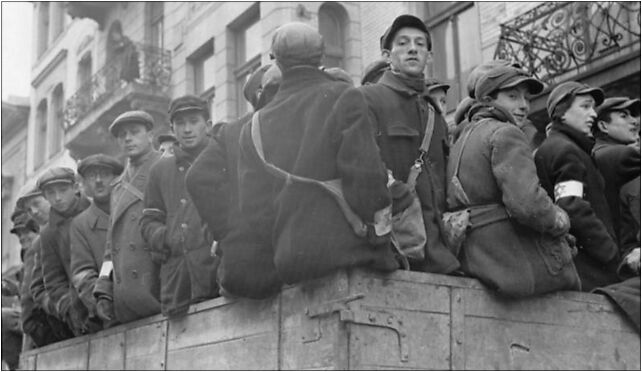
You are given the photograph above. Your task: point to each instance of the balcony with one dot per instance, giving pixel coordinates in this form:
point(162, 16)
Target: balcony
point(96, 10)
point(140, 82)
point(559, 40)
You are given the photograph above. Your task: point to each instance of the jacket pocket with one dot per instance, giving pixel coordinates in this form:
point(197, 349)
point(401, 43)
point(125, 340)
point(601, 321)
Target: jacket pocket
point(555, 252)
point(402, 144)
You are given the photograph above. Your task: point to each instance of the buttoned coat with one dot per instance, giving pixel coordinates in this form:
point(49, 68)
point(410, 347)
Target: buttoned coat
point(189, 273)
point(565, 156)
point(136, 284)
point(88, 235)
point(398, 115)
point(518, 254)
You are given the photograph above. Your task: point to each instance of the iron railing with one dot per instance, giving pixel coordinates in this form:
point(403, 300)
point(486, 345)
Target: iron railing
point(148, 65)
point(557, 37)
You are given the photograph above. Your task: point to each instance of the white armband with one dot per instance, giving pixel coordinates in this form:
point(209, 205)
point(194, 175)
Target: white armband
point(383, 221)
point(568, 188)
point(106, 269)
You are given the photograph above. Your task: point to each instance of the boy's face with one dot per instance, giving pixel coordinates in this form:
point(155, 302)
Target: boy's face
point(61, 196)
point(134, 139)
point(516, 101)
point(38, 209)
point(408, 52)
point(190, 129)
point(581, 115)
point(97, 181)
point(26, 237)
point(166, 149)
point(622, 127)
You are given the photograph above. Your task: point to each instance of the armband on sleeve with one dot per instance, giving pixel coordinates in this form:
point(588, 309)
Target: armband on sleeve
point(568, 188)
point(106, 269)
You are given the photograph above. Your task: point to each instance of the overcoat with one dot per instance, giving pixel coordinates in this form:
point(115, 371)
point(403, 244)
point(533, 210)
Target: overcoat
point(88, 235)
point(565, 156)
point(171, 224)
point(398, 115)
point(497, 169)
point(136, 284)
point(304, 133)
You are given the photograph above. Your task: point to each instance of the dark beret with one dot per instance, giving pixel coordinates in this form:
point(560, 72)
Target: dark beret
point(56, 175)
point(100, 160)
point(619, 103)
point(405, 20)
point(188, 103)
point(136, 116)
point(571, 89)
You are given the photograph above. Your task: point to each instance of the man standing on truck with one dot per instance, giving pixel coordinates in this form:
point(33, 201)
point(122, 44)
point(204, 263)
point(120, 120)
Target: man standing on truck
point(170, 224)
point(88, 231)
point(128, 286)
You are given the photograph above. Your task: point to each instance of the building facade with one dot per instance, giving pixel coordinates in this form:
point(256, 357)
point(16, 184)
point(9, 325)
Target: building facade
point(94, 60)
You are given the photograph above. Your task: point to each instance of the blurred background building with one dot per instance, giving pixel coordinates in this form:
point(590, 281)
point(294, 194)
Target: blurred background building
point(94, 60)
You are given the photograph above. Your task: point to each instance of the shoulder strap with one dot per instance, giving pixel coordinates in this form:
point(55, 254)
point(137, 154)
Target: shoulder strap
point(331, 186)
point(129, 187)
point(423, 148)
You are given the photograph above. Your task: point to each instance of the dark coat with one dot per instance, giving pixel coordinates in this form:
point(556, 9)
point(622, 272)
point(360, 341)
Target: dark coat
point(136, 285)
point(630, 223)
point(618, 164)
point(398, 114)
point(304, 133)
point(565, 156)
point(88, 235)
point(511, 254)
point(626, 295)
point(212, 181)
point(173, 225)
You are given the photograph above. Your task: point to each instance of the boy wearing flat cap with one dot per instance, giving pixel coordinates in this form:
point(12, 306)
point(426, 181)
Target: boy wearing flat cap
point(494, 181)
point(212, 182)
point(88, 230)
point(166, 144)
point(170, 224)
point(569, 176)
point(59, 187)
point(128, 278)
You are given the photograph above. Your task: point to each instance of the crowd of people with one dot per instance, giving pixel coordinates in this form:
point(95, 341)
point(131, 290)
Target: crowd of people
point(325, 175)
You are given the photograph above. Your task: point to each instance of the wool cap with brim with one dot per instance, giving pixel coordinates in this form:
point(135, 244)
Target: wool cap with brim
point(462, 109)
point(572, 89)
point(56, 175)
point(481, 69)
point(619, 103)
point(297, 44)
point(129, 117)
point(21, 220)
point(505, 77)
point(20, 203)
point(253, 84)
point(100, 160)
point(405, 20)
point(434, 84)
point(188, 102)
point(372, 73)
point(166, 137)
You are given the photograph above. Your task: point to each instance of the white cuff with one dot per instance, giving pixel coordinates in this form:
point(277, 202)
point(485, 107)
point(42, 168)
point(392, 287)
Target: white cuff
point(568, 188)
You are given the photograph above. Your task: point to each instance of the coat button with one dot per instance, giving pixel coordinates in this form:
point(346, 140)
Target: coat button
point(181, 168)
point(134, 274)
point(184, 225)
point(183, 201)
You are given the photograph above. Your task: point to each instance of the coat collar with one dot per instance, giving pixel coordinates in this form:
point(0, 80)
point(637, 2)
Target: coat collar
point(582, 140)
point(97, 218)
point(394, 82)
point(185, 158)
point(483, 110)
point(301, 76)
point(56, 218)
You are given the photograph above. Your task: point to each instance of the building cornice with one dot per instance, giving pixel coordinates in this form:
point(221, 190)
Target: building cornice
point(62, 54)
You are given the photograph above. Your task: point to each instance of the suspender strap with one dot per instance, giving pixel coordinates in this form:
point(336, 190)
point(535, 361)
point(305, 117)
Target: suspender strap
point(331, 186)
point(423, 149)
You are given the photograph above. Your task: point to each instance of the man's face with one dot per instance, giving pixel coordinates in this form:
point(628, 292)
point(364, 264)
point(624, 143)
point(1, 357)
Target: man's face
point(97, 181)
point(190, 129)
point(61, 196)
point(38, 209)
point(515, 101)
point(581, 115)
point(439, 96)
point(408, 52)
point(622, 126)
point(166, 149)
point(26, 237)
point(134, 139)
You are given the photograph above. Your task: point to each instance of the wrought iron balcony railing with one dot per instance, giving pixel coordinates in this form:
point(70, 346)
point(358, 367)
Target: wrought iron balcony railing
point(143, 65)
point(557, 37)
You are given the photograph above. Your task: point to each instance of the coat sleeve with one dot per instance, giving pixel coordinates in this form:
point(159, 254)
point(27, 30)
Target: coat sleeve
point(628, 165)
point(208, 184)
point(590, 232)
point(37, 285)
point(362, 171)
point(516, 176)
point(54, 275)
point(83, 269)
point(152, 223)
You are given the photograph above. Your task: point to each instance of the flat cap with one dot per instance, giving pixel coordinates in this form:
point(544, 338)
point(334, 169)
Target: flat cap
point(253, 84)
point(572, 89)
point(20, 203)
point(297, 44)
point(166, 137)
point(478, 71)
point(188, 102)
point(374, 70)
point(100, 160)
point(434, 84)
point(504, 77)
point(135, 116)
point(619, 103)
point(462, 109)
point(21, 220)
point(404, 20)
point(56, 175)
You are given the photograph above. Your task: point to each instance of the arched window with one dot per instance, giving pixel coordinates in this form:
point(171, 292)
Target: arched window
point(57, 108)
point(41, 134)
point(333, 26)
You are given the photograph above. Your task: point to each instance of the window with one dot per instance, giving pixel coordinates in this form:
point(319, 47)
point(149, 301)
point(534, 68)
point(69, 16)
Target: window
point(41, 134)
point(156, 24)
point(332, 26)
point(43, 27)
point(456, 45)
point(57, 19)
point(203, 69)
point(247, 41)
point(57, 107)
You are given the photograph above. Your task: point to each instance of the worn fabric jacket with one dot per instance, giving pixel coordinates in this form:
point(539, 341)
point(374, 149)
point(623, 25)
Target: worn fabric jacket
point(306, 133)
point(619, 164)
point(630, 223)
point(398, 115)
point(514, 255)
point(171, 224)
point(565, 156)
point(135, 280)
point(88, 235)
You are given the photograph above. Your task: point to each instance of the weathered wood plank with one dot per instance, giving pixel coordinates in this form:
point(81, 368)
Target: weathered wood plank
point(107, 352)
point(72, 357)
point(27, 363)
point(145, 346)
point(457, 329)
